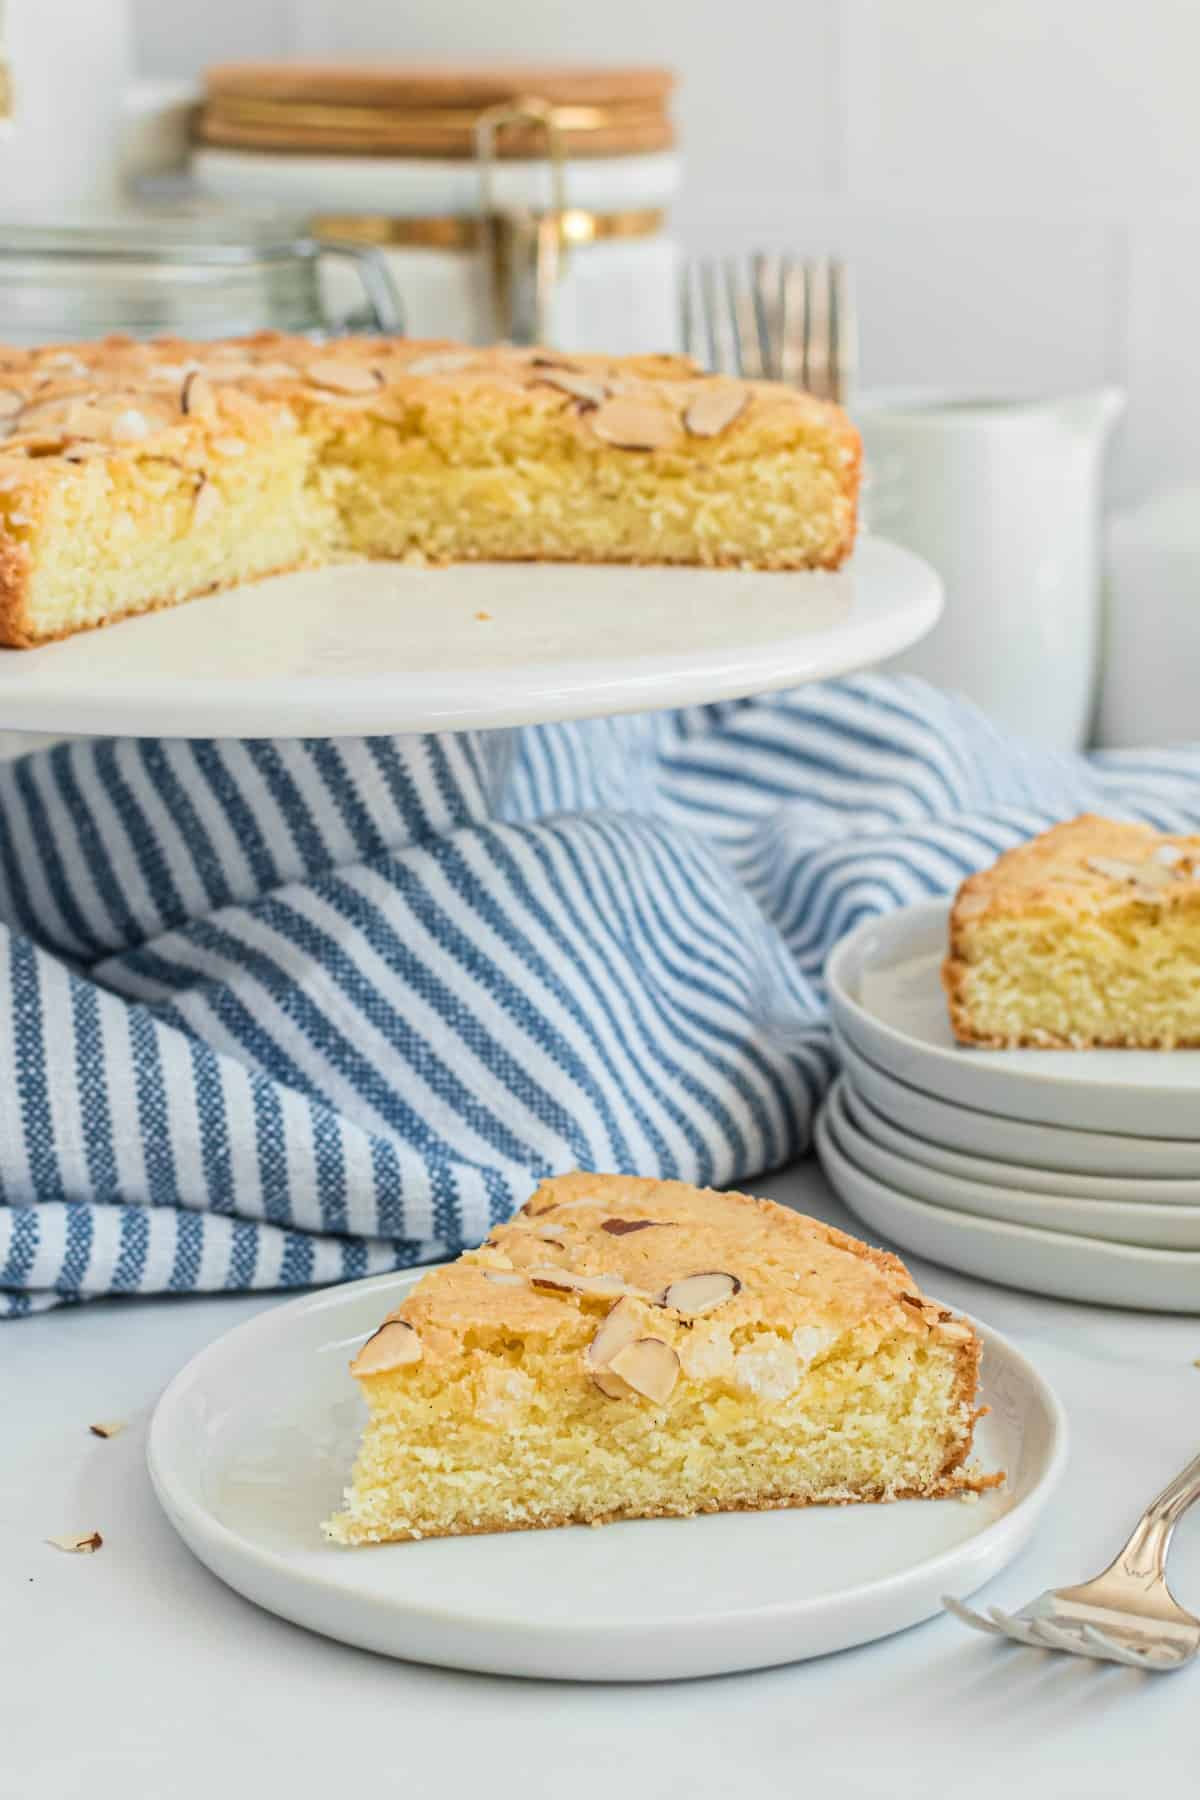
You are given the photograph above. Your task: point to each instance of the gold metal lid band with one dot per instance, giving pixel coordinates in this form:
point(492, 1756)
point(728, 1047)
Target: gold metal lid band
point(464, 232)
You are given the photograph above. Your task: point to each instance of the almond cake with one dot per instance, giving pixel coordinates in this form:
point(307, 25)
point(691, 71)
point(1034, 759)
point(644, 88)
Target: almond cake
point(136, 475)
point(631, 1348)
point(1087, 936)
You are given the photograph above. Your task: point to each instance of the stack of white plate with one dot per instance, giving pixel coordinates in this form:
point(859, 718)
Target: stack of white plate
point(1074, 1173)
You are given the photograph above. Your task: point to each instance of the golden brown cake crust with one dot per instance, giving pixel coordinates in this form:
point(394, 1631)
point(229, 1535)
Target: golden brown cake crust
point(575, 1222)
point(195, 407)
point(1078, 869)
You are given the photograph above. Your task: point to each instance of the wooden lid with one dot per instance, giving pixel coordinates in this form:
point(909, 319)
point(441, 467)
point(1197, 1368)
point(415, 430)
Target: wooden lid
point(406, 109)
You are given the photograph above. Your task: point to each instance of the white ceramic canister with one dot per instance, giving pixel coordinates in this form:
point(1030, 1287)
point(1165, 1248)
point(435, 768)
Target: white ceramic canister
point(523, 203)
point(65, 69)
point(1149, 690)
point(1003, 498)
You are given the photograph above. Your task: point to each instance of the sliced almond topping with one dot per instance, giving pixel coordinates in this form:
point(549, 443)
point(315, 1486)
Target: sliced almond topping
point(196, 397)
point(221, 367)
point(79, 1544)
point(206, 503)
point(925, 1309)
point(622, 1227)
point(504, 1277)
point(594, 1286)
point(393, 1346)
point(442, 362)
point(632, 424)
point(130, 426)
point(229, 446)
point(956, 1331)
point(66, 364)
point(1145, 874)
point(10, 402)
point(274, 371)
point(550, 1233)
point(649, 1366)
point(700, 1293)
point(1169, 854)
point(713, 409)
point(46, 415)
point(85, 448)
point(613, 1388)
point(344, 377)
point(108, 1428)
point(559, 1206)
point(620, 1326)
point(594, 393)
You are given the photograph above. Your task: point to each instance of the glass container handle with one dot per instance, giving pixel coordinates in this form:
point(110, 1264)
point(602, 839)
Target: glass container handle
point(527, 249)
point(376, 278)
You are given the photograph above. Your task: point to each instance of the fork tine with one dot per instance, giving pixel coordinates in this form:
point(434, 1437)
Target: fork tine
point(754, 344)
point(1053, 1637)
point(1015, 1627)
point(721, 322)
point(766, 278)
point(843, 331)
point(819, 376)
point(688, 310)
point(739, 301)
point(710, 301)
point(969, 1617)
point(794, 322)
point(1101, 1644)
point(689, 324)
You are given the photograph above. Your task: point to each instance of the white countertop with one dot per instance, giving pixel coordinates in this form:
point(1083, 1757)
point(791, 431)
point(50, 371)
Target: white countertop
point(135, 1672)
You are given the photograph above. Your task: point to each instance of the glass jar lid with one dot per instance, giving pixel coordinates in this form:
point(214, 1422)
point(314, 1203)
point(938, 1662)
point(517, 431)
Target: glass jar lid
point(193, 278)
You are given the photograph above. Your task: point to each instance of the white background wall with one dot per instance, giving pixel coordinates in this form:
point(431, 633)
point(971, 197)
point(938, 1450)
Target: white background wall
point(1016, 180)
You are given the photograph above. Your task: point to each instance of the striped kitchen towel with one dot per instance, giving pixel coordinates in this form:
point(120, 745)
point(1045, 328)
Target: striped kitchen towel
point(281, 1013)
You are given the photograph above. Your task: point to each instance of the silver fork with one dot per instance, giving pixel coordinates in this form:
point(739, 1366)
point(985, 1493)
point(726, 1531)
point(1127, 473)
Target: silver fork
point(1128, 1614)
point(772, 317)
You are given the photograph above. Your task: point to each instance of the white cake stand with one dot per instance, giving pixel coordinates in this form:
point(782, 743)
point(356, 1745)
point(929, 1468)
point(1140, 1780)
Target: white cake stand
point(379, 647)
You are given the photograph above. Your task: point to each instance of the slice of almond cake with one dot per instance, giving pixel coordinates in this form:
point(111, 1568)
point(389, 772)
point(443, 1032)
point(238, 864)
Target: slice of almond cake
point(629, 1348)
point(1088, 935)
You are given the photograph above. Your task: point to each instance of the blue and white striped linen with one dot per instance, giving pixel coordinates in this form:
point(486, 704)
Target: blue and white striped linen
point(281, 1013)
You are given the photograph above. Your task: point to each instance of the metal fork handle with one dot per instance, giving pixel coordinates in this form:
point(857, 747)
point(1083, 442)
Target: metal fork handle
point(1145, 1554)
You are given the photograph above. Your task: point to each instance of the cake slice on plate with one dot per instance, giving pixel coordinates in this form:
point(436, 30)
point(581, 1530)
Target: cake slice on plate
point(628, 1348)
point(1087, 936)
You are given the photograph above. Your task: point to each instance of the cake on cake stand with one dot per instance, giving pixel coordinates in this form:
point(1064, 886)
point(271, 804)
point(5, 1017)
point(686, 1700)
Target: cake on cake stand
point(367, 648)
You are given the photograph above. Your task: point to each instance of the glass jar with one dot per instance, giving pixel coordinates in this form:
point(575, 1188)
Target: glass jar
point(189, 278)
point(526, 204)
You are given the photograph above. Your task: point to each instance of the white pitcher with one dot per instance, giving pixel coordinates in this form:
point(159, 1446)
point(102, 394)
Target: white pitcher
point(1003, 498)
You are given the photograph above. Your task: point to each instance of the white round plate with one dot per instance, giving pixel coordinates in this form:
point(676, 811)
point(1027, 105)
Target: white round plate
point(885, 993)
point(1117, 1221)
point(380, 647)
point(1128, 1190)
point(251, 1444)
point(1037, 1262)
point(1012, 1140)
